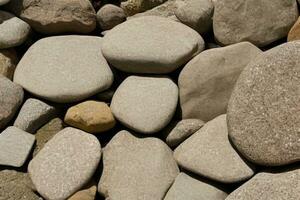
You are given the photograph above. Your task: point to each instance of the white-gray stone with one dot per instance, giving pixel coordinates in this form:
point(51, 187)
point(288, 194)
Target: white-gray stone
point(65, 164)
point(136, 168)
point(14, 31)
point(208, 152)
point(34, 114)
point(189, 188)
point(15, 146)
point(151, 44)
point(11, 97)
point(145, 104)
point(64, 68)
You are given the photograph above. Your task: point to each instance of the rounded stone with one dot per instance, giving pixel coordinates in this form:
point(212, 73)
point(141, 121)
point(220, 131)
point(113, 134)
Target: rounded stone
point(207, 81)
point(65, 164)
point(151, 45)
point(145, 104)
point(109, 16)
point(264, 112)
point(64, 68)
point(260, 22)
point(13, 32)
point(132, 7)
point(294, 33)
point(8, 62)
point(136, 168)
point(11, 96)
point(208, 152)
point(90, 116)
point(2, 2)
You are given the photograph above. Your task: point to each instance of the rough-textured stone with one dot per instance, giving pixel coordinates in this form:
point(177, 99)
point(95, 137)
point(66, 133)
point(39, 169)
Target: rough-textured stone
point(87, 193)
point(109, 16)
point(16, 186)
point(2, 2)
point(206, 82)
point(11, 96)
point(145, 104)
point(45, 133)
point(136, 168)
point(183, 130)
point(13, 32)
point(8, 62)
point(33, 114)
point(64, 68)
point(54, 17)
point(208, 152)
point(90, 116)
point(196, 14)
point(151, 45)
point(263, 111)
point(65, 164)
point(294, 33)
point(257, 21)
point(15, 146)
point(189, 188)
point(266, 186)
point(132, 7)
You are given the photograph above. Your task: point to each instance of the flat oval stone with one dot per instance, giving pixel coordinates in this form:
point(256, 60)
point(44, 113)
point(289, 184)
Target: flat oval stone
point(14, 31)
point(151, 45)
point(145, 104)
point(64, 68)
point(264, 112)
point(65, 164)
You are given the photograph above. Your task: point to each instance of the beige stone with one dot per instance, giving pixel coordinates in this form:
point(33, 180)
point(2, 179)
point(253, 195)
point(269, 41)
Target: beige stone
point(294, 33)
point(8, 62)
point(132, 7)
point(90, 116)
point(86, 193)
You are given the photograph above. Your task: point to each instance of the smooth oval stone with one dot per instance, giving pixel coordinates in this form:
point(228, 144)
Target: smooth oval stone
point(65, 164)
point(145, 104)
point(208, 152)
point(263, 112)
point(269, 185)
point(64, 68)
point(11, 96)
point(14, 31)
point(256, 21)
point(207, 81)
point(110, 16)
point(136, 168)
point(151, 45)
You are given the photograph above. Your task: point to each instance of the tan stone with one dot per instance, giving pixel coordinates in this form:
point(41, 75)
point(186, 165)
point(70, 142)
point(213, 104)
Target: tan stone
point(86, 193)
point(8, 62)
point(90, 116)
point(294, 33)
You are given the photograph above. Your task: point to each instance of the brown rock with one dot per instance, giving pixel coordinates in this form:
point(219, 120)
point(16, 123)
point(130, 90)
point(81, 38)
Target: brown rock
point(8, 62)
point(132, 7)
point(294, 33)
point(86, 193)
point(90, 116)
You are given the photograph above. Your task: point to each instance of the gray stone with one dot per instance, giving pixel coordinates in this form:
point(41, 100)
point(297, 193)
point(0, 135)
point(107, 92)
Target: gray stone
point(183, 130)
point(132, 7)
point(64, 68)
point(266, 186)
point(2, 2)
point(136, 168)
point(13, 32)
point(33, 114)
point(109, 16)
point(45, 133)
point(207, 81)
point(145, 104)
point(55, 17)
point(11, 96)
point(8, 62)
point(15, 146)
point(189, 188)
point(260, 22)
point(208, 152)
point(196, 14)
point(16, 186)
point(151, 45)
point(263, 111)
point(65, 164)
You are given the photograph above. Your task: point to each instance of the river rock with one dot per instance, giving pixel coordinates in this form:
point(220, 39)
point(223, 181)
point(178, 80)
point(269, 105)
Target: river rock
point(8, 62)
point(260, 22)
point(145, 104)
point(151, 45)
point(207, 81)
point(2, 2)
point(65, 164)
point(109, 16)
point(64, 68)
point(136, 168)
point(132, 7)
point(294, 33)
point(263, 111)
